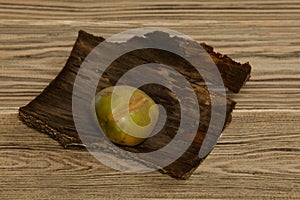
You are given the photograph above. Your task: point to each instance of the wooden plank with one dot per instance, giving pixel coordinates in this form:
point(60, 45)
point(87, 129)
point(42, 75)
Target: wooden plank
point(41, 50)
point(246, 163)
point(51, 112)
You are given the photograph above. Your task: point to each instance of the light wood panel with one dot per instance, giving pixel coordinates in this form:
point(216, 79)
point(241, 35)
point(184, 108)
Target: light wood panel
point(247, 162)
point(258, 156)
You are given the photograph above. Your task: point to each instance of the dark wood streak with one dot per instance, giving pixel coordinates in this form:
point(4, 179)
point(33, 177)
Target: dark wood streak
point(51, 112)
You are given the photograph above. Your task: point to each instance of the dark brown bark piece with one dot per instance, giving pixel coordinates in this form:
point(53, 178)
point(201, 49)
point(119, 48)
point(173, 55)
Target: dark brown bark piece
point(51, 111)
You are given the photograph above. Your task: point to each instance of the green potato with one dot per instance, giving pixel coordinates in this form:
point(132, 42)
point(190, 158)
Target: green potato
point(124, 119)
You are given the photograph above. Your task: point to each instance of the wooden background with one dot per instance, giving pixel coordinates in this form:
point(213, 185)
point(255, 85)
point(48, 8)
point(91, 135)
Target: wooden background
point(258, 156)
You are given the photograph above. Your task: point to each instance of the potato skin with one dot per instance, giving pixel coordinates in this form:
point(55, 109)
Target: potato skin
point(139, 111)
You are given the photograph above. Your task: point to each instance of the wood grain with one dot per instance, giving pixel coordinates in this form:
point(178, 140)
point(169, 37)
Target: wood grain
point(258, 155)
point(51, 111)
point(248, 164)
